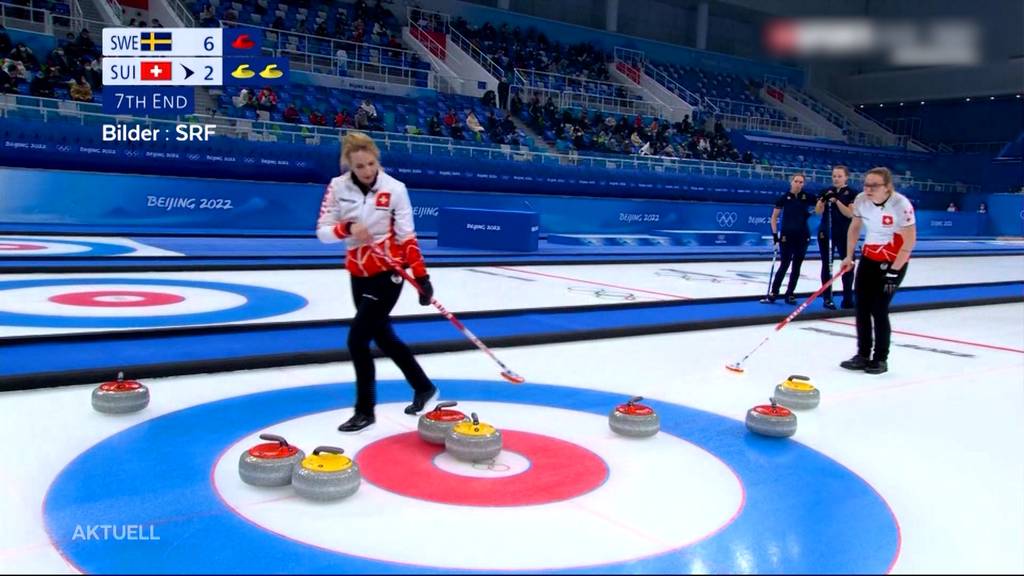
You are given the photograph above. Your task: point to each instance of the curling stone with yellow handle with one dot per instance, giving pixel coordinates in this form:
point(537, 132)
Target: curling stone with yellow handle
point(473, 441)
point(326, 474)
point(797, 393)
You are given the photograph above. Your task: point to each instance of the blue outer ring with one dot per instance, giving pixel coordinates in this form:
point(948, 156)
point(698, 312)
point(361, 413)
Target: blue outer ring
point(804, 512)
point(95, 248)
point(260, 303)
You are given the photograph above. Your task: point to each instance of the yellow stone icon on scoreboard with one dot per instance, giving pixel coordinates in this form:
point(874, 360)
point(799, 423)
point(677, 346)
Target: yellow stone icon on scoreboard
point(242, 72)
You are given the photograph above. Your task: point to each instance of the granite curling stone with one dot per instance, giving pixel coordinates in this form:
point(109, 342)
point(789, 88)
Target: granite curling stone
point(269, 464)
point(634, 419)
point(326, 475)
point(434, 426)
point(473, 441)
point(120, 396)
point(797, 393)
point(773, 420)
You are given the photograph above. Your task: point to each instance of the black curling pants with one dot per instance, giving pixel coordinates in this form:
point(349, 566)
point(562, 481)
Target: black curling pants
point(873, 308)
point(839, 245)
point(793, 248)
point(375, 297)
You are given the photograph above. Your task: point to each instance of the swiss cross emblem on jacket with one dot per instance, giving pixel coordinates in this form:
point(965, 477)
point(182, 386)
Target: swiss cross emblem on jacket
point(383, 199)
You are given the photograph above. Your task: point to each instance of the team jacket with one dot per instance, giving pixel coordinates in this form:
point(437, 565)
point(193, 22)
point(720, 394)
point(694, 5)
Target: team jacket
point(882, 240)
point(385, 211)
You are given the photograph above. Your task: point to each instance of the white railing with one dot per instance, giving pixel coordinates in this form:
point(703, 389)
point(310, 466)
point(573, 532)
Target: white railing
point(63, 110)
point(24, 18)
point(740, 122)
point(113, 9)
point(184, 14)
point(573, 92)
point(475, 53)
point(680, 90)
point(77, 17)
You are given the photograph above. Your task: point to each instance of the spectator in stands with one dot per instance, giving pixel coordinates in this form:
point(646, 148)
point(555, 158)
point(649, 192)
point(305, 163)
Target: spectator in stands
point(342, 119)
point(380, 32)
point(982, 208)
point(450, 119)
point(57, 60)
point(5, 41)
point(42, 85)
point(456, 130)
point(434, 125)
point(85, 43)
point(81, 91)
point(317, 119)
point(952, 207)
point(266, 99)
point(515, 104)
point(94, 74)
point(371, 112)
point(748, 158)
point(360, 9)
point(291, 114)
point(489, 99)
point(278, 23)
point(157, 24)
point(245, 98)
point(473, 123)
point(341, 62)
point(321, 29)
point(23, 54)
point(8, 83)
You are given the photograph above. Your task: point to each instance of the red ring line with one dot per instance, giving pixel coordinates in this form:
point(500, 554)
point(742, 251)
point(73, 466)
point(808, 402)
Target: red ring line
point(594, 282)
point(940, 338)
point(92, 299)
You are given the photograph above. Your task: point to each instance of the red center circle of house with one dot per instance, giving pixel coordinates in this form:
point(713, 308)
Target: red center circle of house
point(559, 470)
point(15, 247)
point(116, 299)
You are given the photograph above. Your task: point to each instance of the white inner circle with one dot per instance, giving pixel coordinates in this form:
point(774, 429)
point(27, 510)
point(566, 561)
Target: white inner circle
point(120, 298)
point(36, 300)
point(661, 493)
point(49, 248)
point(507, 463)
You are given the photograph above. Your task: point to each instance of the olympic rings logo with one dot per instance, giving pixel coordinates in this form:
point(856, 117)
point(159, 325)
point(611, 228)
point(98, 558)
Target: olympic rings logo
point(726, 219)
point(601, 293)
point(491, 466)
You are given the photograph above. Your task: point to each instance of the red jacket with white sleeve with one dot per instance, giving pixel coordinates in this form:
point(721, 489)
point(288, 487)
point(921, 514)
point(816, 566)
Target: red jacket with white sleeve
point(385, 211)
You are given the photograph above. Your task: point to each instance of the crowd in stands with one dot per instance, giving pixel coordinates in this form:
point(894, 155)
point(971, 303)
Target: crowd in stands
point(472, 122)
point(356, 22)
point(71, 70)
point(593, 131)
point(511, 47)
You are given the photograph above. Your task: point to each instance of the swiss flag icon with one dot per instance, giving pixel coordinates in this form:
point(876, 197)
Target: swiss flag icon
point(383, 199)
point(153, 70)
point(886, 220)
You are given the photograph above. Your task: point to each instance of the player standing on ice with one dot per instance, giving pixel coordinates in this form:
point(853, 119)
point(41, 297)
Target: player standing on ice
point(834, 207)
point(890, 234)
point(367, 209)
point(794, 207)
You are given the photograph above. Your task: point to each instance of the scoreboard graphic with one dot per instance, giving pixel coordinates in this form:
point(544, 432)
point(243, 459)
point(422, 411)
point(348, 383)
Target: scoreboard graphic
point(150, 70)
